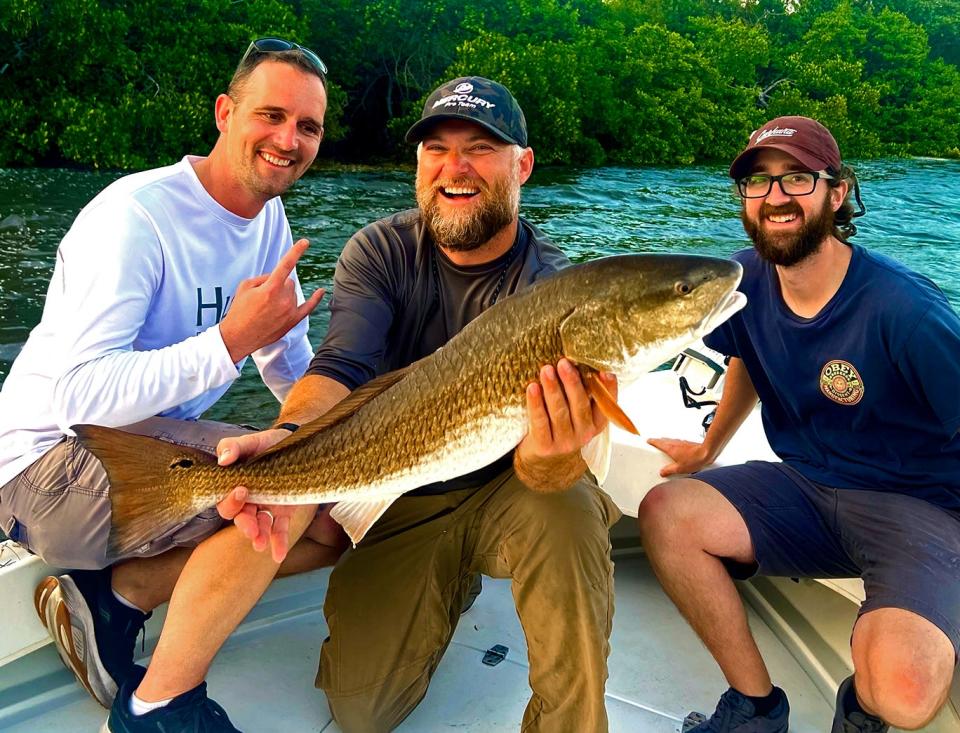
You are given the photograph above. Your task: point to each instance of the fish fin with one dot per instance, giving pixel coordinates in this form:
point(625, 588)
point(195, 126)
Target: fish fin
point(597, 455)
point(340, 411)
point(608, 406)
point(142, 472)
point(357, 517)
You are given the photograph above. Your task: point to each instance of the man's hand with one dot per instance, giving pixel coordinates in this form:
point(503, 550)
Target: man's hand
point(262, 524)
point(561, 420)
point(265, 307)
point(687, 457)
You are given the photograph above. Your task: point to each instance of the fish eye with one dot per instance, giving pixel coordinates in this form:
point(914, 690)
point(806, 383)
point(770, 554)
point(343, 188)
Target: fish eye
point(182, 463)
point(683, 287)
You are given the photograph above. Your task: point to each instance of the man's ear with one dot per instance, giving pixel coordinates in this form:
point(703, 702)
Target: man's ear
point(526, 164)
point(838, 194)
point(222, 110)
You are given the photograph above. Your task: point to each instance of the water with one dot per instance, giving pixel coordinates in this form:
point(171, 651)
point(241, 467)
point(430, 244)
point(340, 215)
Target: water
point(912, 216)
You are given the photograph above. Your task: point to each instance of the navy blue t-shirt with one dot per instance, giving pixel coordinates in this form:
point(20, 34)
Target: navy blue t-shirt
point(866, 394)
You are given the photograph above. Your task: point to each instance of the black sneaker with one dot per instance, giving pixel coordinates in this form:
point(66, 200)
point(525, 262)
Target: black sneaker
point(735, 714)
point(94, 633)
point(850, 718)
point(192, 711)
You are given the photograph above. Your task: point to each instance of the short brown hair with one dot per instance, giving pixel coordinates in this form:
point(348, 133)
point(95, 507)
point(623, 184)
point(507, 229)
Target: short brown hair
point(294, 57)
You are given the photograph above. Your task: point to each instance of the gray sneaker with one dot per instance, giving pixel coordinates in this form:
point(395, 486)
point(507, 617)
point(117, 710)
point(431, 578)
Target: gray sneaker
point(736, 714)
point(94, 633)
point(846, 720)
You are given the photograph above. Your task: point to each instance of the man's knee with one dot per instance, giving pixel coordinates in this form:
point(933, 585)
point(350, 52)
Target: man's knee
point(666, 509)
point(905, 666)
point(377, 709)
point(906, 697)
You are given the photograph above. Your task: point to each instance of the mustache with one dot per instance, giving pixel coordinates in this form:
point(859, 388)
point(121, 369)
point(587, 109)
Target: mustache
point(462, 182)
point(791, 207)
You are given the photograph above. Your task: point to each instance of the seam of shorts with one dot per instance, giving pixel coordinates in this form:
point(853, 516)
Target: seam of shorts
point(907, 603)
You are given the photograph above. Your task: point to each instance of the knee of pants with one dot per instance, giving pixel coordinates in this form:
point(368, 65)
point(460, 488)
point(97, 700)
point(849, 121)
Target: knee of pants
point(377, 709)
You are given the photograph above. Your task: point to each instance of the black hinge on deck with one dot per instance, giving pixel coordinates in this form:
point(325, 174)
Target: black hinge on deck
point(494, 655)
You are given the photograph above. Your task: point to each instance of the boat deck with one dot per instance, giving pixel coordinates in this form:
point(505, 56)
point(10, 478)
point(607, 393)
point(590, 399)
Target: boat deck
point(264, 675)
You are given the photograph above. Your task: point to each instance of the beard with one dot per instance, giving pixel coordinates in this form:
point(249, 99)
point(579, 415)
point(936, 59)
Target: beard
point(461, 231)
point(788, 248)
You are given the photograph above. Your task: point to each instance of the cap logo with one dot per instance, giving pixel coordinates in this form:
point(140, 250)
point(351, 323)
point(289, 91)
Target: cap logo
point(464, 88)
point(463, 100)
point(775, 132)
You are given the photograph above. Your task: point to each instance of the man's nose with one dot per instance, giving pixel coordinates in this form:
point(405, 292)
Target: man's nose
point(777, 195)
point(287, 136)
point(456, 164)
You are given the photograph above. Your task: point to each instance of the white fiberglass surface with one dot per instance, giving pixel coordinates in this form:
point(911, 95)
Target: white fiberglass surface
point(264, 675)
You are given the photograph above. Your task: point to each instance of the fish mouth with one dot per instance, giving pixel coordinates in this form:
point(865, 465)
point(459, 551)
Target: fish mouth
point(723, 310)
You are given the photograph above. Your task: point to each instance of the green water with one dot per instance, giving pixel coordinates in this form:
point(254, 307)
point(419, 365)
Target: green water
point(912, 215)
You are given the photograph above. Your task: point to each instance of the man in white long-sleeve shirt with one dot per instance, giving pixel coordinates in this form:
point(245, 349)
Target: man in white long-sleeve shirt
point(166, 282)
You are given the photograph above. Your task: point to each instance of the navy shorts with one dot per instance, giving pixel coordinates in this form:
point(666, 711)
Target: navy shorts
point(906, 550)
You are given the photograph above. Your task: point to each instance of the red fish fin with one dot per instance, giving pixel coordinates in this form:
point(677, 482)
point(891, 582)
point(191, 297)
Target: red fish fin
point(342, 410)
point(608, 406)
point(357, 517)
point(142, 472)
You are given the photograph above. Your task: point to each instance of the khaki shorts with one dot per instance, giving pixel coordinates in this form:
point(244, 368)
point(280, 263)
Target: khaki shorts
point(59, 506)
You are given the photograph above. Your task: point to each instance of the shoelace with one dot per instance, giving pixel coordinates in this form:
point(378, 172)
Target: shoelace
point(869, 724)
point(727, 713)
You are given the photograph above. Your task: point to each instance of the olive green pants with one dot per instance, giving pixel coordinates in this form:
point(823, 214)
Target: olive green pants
point(394, 601)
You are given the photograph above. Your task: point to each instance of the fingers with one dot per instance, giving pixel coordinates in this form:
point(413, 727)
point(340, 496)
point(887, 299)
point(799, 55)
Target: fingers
point(576, 399)
point(538, 419)
point(280, 538)
point(286, 264)
point(232, 504)
point(310, 304)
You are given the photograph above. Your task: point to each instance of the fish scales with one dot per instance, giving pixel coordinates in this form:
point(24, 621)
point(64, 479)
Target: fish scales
point(452, 412)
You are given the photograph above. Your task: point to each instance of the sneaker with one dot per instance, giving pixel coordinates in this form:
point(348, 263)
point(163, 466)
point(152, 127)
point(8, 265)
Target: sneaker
point(735, 714)
point(192, 711)
point(94, 633)
point(850, 718)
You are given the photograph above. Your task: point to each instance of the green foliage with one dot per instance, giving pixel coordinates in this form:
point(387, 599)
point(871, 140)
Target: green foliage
point(107, 84)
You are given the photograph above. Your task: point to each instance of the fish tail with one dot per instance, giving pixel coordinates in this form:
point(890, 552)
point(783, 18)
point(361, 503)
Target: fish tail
point(142, 473)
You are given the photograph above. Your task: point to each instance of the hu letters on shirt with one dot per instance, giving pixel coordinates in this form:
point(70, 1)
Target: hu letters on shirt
point(211, 306)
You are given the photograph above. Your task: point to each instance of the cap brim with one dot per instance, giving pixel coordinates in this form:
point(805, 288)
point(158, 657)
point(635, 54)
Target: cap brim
point(421, 128)
point(740, 165)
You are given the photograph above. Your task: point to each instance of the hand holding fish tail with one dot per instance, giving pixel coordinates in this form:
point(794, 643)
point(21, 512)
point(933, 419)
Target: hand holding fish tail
point(562, 419)
point(265, 307)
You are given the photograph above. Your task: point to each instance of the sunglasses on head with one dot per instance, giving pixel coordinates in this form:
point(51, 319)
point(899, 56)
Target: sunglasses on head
point(278, 45)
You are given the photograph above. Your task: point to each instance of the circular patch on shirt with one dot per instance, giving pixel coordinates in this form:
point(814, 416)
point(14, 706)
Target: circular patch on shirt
point(840, 381)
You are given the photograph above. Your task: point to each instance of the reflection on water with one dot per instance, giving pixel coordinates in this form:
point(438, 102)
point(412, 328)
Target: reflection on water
point(912, 215)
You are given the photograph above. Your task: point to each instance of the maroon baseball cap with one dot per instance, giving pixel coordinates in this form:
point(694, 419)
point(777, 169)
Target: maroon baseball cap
point(805, 139)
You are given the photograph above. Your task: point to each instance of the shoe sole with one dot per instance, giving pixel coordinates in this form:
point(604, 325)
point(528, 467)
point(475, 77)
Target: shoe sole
point(73, 635)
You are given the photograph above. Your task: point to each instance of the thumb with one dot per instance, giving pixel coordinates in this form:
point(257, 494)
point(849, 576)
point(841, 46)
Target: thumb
point(669, 470)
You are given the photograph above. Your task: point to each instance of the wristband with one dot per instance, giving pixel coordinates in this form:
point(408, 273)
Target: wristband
point(292, 427)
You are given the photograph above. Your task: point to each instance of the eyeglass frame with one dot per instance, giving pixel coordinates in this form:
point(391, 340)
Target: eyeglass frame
point(310, 56)
point(817, 175)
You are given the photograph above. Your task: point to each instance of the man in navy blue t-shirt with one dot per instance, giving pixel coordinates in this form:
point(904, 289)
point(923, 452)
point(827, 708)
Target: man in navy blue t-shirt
point(854, 360)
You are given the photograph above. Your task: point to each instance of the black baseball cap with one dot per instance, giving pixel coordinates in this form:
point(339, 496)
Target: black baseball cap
point(475, 99)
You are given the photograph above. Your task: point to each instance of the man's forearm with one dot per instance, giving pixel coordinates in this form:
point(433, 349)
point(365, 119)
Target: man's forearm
point(556, 473)
point(739, 398)
point(309, 398)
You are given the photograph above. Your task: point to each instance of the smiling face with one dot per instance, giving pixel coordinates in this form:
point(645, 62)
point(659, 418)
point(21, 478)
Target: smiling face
point(468, 184)
point(787, 229)
point(272, 129)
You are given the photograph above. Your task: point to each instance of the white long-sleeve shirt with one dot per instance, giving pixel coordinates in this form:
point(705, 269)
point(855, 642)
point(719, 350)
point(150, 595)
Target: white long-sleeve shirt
point(129, 326)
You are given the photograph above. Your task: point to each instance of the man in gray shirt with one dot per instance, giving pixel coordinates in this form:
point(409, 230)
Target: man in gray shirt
point(404, 286)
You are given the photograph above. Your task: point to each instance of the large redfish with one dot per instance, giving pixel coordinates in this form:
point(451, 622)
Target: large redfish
point(455, 411)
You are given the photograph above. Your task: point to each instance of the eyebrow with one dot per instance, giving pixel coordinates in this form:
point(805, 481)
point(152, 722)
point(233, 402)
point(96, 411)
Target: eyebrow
point(273, 108)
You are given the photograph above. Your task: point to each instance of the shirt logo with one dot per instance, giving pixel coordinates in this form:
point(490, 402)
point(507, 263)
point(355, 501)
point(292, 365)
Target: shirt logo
point(840, 381)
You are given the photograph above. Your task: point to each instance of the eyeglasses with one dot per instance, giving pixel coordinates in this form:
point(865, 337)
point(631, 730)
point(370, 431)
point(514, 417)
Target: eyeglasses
point(278, 45)
point(796, 183)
